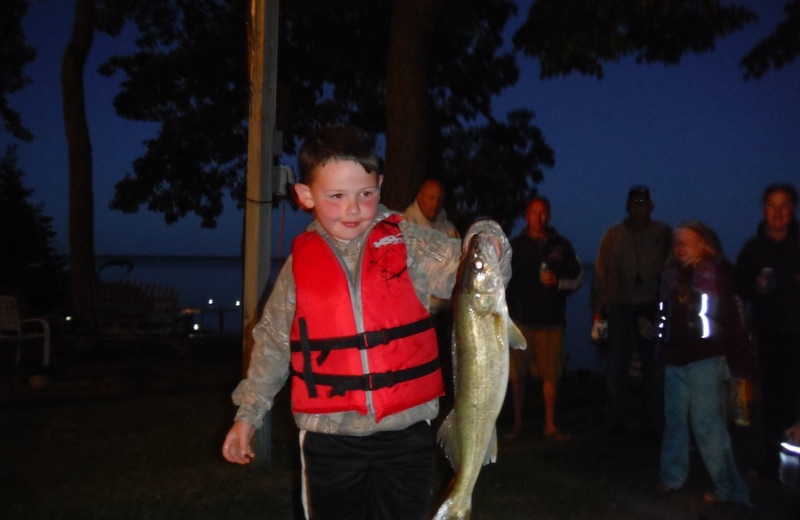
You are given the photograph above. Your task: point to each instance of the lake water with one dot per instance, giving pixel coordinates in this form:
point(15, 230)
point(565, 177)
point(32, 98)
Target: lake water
point(204, 279)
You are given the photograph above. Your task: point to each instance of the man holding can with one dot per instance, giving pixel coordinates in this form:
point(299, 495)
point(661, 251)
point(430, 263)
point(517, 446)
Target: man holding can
point(545, 269)
point(768, 279)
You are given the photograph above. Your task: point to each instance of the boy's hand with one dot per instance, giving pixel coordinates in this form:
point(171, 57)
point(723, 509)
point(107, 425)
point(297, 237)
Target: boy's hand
point(236, 447)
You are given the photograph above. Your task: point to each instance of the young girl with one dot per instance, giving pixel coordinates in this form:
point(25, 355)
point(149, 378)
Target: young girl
point(700, 334)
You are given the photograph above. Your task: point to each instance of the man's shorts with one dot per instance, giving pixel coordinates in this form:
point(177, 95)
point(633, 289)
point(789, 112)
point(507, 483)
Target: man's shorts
point(544, 356)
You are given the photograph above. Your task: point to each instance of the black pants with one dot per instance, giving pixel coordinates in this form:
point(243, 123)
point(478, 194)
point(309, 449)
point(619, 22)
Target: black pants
point(383, 476)
point(779, 360)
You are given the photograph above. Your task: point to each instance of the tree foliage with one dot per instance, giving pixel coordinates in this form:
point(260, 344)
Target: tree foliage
point(779, 48)
point(482, 162)
point(190, 75)
point(332, 68)
point(15, 53)
point(334, 60)
point(30, 268)
point(568, 36)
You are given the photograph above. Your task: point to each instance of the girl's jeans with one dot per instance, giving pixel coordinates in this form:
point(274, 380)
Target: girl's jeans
point(692, 396)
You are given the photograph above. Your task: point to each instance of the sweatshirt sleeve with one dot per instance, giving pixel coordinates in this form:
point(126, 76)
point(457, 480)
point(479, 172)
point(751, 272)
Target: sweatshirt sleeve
point(737, 344)
point(572, 277)
point(599, 290)
point(433, 257)
point(268, 369)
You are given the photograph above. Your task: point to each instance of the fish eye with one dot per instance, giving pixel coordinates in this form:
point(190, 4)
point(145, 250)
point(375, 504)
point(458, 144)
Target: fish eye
point(478, 264)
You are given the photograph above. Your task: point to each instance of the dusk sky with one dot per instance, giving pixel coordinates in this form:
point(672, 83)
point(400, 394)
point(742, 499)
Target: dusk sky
point(702, 138)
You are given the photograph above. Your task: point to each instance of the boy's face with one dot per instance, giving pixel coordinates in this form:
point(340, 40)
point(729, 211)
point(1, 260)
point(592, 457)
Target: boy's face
point(343, 196)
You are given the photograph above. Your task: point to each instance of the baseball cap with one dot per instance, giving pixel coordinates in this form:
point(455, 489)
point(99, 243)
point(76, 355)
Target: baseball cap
point(639, 193)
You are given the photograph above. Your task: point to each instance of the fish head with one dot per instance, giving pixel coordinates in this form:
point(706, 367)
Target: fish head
point(479, 276)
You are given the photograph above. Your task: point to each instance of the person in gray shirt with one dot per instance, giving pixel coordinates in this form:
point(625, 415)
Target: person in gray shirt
point(624, 292)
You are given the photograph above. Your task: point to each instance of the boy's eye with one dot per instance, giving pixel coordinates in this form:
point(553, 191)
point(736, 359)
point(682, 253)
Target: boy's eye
point(336, 195)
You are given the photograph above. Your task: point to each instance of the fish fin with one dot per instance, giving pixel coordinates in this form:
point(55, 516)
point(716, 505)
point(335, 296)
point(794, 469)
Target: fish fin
point(448, 438)
point(515, 338)
point(491, 449)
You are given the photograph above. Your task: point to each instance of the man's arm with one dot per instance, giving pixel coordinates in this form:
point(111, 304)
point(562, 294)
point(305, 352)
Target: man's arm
point(572, 277)
point(599, 291)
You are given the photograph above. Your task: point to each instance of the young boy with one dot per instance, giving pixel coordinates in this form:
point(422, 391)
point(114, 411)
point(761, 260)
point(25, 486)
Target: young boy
point(348, 322)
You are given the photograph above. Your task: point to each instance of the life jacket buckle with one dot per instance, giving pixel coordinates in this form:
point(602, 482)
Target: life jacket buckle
point(374, 338)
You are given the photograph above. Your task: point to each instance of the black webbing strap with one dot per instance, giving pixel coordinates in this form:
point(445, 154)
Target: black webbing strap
point(308, 373)
point(363, 340)
point(342, 384)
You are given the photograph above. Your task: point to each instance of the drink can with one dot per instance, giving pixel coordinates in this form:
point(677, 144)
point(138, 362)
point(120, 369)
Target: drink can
point(740, 396)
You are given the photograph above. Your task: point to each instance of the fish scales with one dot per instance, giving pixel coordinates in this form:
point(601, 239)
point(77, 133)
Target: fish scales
point(482, 335)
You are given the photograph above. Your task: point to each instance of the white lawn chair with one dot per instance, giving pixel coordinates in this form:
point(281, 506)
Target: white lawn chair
point(12, 328)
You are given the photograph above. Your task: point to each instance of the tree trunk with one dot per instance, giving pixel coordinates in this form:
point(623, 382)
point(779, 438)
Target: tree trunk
point(79, 147)
point(413, 22)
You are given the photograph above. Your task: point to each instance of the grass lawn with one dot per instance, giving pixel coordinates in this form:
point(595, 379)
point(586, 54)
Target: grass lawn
point(139, 437)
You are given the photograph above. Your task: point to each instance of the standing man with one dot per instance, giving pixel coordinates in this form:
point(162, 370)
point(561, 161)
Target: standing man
point(545, 269)
point(428, 209)
point(624, 292)
point(768, 279)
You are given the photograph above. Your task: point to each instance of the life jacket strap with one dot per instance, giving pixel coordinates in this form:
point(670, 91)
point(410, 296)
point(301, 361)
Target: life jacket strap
point(342, 384)
point(363, 340)
point(308, 373)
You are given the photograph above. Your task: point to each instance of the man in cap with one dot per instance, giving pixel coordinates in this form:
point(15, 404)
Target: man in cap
point(624, 293)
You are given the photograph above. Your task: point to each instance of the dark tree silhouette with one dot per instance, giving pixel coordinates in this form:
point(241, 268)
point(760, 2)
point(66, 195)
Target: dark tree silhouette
point(30, 268)
point(779, 48)
point(15, 53)
point(79, 149)
point(421, 72)
point(568, 36)
point(334, 61)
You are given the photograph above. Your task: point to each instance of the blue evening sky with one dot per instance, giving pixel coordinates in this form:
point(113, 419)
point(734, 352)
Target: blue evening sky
point(702, 138)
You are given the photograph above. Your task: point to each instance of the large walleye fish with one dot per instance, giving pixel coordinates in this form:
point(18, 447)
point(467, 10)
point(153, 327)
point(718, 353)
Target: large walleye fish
point(482, 334)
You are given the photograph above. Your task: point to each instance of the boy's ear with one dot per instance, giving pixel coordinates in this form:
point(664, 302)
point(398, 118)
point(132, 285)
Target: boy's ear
point(303, 192)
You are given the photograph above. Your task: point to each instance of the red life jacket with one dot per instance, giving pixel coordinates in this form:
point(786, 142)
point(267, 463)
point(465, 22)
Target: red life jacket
point(401, 369)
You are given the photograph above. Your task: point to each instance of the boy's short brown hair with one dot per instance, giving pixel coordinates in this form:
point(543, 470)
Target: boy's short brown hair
point(336, 143)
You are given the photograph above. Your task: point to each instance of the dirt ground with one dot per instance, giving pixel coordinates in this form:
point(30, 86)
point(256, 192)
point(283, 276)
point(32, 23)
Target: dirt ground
point(134, 432)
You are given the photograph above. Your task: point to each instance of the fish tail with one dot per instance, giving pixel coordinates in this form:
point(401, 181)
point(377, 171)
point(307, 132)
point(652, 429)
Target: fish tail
point(450, 511)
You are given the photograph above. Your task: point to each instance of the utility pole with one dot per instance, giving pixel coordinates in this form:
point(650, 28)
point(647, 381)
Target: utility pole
point(263, 70)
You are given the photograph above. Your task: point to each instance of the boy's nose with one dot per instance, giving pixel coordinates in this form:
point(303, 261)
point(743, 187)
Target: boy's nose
point(353, 208)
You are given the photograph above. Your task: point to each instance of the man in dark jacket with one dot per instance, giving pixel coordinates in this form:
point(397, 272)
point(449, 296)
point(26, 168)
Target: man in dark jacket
point(545, 269)
point(768, 279)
